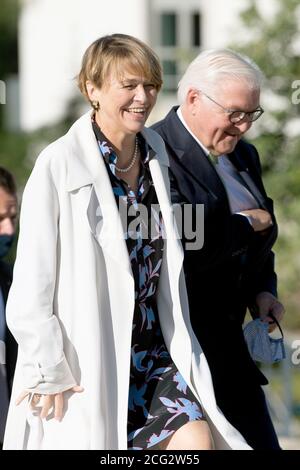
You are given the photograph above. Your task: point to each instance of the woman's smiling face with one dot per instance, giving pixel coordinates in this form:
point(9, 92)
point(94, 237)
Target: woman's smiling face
point(125, 103)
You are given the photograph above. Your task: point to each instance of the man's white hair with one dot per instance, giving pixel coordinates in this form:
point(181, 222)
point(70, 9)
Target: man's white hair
point(215, 66)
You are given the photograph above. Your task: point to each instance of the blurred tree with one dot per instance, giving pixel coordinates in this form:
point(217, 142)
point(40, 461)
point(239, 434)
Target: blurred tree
point(8, 37)
point(273, 42)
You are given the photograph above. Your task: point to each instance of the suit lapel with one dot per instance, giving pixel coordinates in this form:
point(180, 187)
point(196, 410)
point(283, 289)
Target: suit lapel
point(253, 189)
point(247, 179)
point(194, 160)
point(197, 164)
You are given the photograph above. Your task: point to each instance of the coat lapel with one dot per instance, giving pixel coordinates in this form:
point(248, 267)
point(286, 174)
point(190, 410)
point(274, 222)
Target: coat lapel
point(87, 167)
point(200, 168)
point(171, 307)
point(195, 162)
point(106, 226)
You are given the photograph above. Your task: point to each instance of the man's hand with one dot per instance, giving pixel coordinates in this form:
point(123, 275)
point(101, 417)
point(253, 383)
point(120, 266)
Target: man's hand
point(267, 303)
point(46, 402)
point(260, 219)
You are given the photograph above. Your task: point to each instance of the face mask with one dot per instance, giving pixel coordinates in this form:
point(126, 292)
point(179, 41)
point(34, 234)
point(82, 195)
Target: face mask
point(5, 243)
point(261, 346)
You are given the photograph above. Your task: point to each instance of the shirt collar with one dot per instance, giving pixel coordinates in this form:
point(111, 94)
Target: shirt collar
point(179, 114)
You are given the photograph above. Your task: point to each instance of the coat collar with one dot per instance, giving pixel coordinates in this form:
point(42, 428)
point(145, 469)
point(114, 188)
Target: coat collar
point(83, 162)
point(86, 167)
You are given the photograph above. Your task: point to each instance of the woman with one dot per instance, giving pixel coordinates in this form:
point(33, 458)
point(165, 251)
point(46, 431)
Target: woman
point(98, 302)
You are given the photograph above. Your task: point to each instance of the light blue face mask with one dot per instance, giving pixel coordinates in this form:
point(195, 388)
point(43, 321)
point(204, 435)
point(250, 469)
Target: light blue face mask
point(262, 347)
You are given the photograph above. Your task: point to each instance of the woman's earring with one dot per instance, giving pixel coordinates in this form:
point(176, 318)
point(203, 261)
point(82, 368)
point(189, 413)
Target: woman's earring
point(96, 105)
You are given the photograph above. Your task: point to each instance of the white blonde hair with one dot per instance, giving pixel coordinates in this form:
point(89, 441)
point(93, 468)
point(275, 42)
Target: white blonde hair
point(213, 66)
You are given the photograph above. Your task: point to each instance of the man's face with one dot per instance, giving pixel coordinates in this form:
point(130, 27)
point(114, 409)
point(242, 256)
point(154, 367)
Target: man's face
point(8, 213)
point(211, 124)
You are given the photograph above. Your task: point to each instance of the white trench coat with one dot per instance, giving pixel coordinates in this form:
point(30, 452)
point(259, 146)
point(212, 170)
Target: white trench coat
point(72, 300)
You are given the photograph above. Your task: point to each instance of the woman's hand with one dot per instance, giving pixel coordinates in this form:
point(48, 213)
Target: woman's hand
point(46, 402)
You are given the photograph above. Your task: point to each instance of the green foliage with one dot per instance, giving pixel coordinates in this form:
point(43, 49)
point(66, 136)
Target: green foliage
point(8, 37)
point(274, 45)
point(13, 155)
point(274, 48)
point(18, 151)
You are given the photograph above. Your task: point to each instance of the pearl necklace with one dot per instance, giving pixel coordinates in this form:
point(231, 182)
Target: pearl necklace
point(134, 156)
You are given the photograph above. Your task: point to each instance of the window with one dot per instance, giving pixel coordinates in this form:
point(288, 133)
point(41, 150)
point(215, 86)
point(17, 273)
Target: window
point(170, 74)
point(168, 29)
point(196, 31)
point(176, 34)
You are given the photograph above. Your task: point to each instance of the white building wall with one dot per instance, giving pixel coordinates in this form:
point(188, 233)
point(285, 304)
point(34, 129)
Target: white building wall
point(221, 22)
point(53, 37)
point(55, 33)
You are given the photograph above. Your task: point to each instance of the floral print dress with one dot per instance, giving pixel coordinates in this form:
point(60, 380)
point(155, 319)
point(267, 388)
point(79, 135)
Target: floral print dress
point(159, 401)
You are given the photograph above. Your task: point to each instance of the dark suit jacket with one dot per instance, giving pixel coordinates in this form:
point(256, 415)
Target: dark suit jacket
point(11, 345)
point(234, 264)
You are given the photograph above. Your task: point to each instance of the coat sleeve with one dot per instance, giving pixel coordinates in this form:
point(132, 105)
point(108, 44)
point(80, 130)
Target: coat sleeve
point(30, 315)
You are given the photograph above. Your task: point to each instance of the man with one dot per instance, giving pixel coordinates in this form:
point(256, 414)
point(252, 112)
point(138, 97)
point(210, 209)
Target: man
point(210, 165)
point(8, 347)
